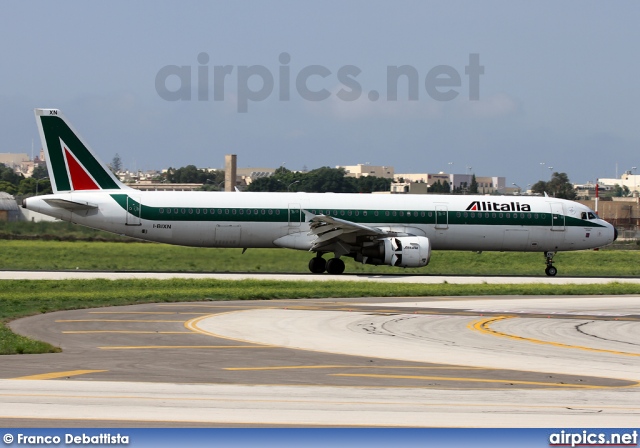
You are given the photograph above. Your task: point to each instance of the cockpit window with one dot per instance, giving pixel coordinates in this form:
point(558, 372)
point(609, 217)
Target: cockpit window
point(584, 215)
point(592, 216)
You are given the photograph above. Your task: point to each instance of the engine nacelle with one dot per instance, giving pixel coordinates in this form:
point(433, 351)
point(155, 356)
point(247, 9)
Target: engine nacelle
point(401, 251)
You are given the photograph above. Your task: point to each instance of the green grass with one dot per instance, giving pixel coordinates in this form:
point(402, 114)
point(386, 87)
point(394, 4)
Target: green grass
point(21, 298)
point(71, 247)
point(57, 230)
point(120, 256)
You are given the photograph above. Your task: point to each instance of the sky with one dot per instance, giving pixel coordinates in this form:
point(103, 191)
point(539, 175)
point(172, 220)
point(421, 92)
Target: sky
point(497, 88)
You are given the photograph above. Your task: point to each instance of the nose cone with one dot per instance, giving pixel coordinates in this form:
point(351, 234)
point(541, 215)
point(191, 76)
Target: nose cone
point(615, 234)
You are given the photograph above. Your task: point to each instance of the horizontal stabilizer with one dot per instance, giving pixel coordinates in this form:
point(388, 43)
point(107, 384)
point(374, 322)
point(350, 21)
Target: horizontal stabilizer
point(70, 205)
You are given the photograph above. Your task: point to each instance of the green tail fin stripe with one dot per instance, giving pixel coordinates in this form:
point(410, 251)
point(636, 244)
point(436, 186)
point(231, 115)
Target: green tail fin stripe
point(55, 129)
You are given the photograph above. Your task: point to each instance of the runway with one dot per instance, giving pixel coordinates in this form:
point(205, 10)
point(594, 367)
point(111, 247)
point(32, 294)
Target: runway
point(473, 362)
point(381, 278)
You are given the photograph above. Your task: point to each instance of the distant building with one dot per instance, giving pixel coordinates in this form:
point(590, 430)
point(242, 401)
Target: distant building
point(18, 162)
point(489, 185)
point(631, 181)
point(244, 176)
point(364, 170)
point(9, 210)
point(486, 184)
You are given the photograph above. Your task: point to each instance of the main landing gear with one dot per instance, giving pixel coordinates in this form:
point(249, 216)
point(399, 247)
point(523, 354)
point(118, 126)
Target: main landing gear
point(318, 265)
point(551, 271)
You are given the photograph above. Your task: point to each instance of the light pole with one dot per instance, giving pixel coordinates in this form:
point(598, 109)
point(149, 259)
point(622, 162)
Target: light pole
point(215, 183)
point(634, 168)
point(550, 172)
point(518, 187)
point(37, 181)
point(294, 182)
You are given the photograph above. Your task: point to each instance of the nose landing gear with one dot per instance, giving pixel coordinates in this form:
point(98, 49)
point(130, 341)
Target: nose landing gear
point(551, 271)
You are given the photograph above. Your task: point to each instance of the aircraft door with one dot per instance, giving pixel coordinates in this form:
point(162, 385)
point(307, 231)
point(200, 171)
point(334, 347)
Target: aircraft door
point(134, 210)
point(442, 217)
point(295, 215)
point(557, 216)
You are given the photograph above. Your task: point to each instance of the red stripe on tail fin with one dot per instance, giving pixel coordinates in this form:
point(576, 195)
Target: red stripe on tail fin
point(79, 177)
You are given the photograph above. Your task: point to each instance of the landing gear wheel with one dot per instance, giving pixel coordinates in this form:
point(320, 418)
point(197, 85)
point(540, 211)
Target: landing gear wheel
point(317, 265)
point(335, 266)
point(551, 271)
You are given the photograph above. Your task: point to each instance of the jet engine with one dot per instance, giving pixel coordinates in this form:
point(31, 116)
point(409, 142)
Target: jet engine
point(402, 251)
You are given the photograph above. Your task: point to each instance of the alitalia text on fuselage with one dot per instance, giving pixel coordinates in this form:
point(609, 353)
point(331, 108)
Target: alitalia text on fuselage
point(498, 206)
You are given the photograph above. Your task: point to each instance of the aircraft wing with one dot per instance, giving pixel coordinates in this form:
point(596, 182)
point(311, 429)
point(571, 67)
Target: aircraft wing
point(329, 230)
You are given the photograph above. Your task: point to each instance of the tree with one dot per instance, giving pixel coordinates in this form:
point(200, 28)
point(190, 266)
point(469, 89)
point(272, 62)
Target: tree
point(187, 175)
point(440, 187)
point(619, 191)
point(40, 172)
point(539, 187)
point(8, 175)
point(558, 187)
point(7, 187)
point(116, 164)
point(473, 188)
point(31, 186)
point(321, 180)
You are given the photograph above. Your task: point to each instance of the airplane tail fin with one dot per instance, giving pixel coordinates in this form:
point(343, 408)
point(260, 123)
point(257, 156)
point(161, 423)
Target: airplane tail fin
point(72, 165)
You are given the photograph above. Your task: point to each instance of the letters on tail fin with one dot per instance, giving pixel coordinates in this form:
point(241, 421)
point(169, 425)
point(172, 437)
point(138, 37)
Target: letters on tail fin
point(72, 165)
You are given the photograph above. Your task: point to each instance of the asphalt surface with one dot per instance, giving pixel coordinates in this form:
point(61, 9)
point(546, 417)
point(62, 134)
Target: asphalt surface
point(330, 363)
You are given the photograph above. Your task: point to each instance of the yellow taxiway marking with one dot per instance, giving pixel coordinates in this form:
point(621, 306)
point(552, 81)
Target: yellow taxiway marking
point(170, 313)
point(192, 325)
point(118, 320)
point(133, 312)
point(52, 375)
point(160, 347)
point(484, 326)
point(127, 332)
point(195, 305)
point(351, 367)
point(477, 380)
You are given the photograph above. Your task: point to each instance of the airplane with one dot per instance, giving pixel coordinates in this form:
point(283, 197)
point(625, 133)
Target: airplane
point(395, 230)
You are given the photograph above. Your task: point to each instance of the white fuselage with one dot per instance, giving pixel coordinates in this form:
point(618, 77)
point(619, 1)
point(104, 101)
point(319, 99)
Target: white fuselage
point(262, 220)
